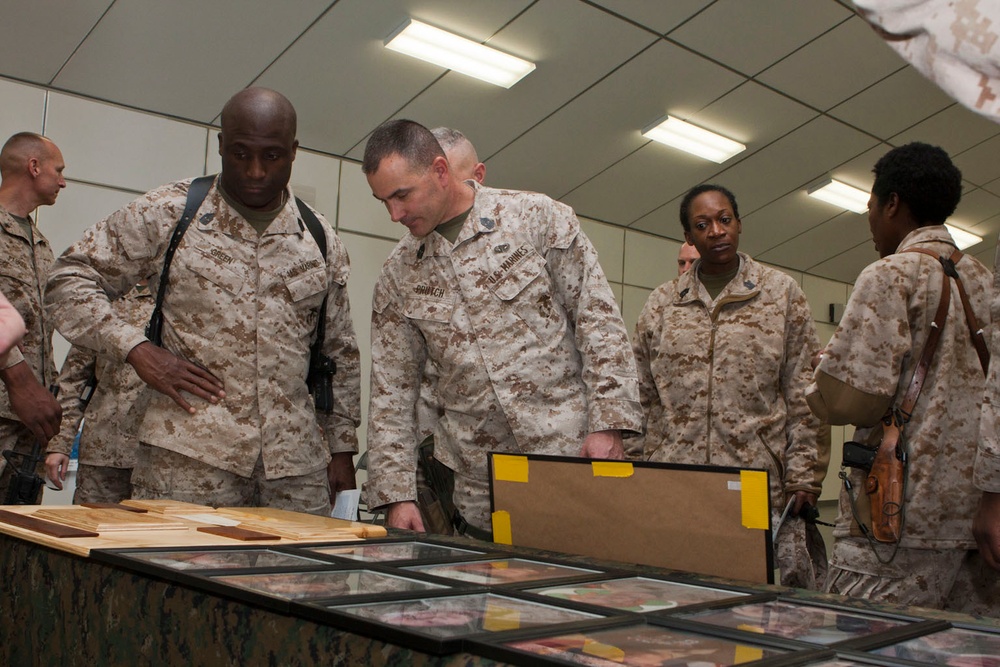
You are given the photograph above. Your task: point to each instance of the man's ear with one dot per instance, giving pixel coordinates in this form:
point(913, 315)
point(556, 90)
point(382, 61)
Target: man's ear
point(34, 167)
point(441, 169)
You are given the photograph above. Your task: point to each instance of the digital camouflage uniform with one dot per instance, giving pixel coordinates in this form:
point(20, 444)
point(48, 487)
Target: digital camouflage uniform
point(723, 383)
point(866, 368)
point(987, 469)
point(111, 432)
point(955, 44)
point(23, 268)
point(242, 305)
point(519, 328)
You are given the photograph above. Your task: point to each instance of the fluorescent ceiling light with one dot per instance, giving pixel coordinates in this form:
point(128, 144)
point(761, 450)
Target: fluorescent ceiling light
point(693, 139)
point(842, 195)
point(458, 53)
point(963, 239)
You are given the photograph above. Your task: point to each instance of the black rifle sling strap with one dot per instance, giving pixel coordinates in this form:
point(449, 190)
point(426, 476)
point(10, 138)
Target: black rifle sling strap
point(197, 192)
point(196, 195)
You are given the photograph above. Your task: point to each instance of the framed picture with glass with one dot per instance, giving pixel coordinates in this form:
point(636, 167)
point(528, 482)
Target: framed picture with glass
point(440, 623)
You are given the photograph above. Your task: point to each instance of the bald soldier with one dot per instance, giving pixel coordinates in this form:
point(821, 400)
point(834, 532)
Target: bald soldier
point(31, 169)
point(461, 154)
point(231, 421)
point(687, 254)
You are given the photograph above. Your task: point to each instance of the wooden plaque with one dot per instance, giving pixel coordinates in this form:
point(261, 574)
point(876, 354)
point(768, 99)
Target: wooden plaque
point(105, 520)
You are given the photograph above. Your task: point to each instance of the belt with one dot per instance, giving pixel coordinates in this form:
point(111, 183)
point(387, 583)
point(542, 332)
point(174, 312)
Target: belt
point(463, 527)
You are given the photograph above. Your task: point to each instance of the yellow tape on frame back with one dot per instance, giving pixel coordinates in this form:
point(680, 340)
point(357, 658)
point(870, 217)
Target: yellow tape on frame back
point(501, 528)
point(753, 499)
point(612, 469)
point(507, 468)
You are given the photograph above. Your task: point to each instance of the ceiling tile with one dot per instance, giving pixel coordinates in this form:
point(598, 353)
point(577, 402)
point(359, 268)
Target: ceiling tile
point(893, 104)
point(793, 161)
point(559, 37)
point(976, 206)
point(955, 129)
point(835, 66)
point(38, 37)
point(981, 163)
point(848, 265)
point(780, 27)
point(603, 125)
point(829, 239)
point(660, 17)
point(183, 58)
point(655, 174)
point(355, 83)
point(781, 220)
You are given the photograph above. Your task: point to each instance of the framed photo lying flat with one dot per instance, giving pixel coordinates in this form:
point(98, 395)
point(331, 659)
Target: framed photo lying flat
point(500, 571)
point(396, 552)
point(439, 623)
point(701, 519)
point(966, 646)
point(640, 644)
point(637, 594)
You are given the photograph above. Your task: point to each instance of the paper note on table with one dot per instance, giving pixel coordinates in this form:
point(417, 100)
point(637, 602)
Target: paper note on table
point(346, 506)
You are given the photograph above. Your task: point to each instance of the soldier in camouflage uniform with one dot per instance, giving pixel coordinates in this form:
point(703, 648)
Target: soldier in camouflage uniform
point(724, 357)
point(240, 313)
point(986, 526)
point(498, 295)
point(110, 435)
point(866, 369)
point(31, 167)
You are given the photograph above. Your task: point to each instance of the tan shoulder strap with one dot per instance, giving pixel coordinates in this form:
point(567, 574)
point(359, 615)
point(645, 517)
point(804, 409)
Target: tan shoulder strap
point(976, 334)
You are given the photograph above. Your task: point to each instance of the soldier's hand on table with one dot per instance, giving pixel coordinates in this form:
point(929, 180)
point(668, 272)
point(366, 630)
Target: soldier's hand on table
point(603, 445)
point(170, 375)
point(33, 404)
point(55, 468)
point(340, 472)
point(986, 529)
point(405, 515)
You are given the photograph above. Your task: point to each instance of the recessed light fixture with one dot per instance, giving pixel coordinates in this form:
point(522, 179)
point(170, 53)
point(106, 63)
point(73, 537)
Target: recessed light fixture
point(963, 239)
point(841, 194)
point(693, 139)
point(458, 53)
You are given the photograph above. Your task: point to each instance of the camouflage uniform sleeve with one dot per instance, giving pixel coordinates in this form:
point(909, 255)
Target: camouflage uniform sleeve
point(341, 345)
point(807, 452)
point(649, 396)
point(857, 377)
point(987, 468)
point(398, 356)
point(608, 365)
point(106, 263)
point(79, 366)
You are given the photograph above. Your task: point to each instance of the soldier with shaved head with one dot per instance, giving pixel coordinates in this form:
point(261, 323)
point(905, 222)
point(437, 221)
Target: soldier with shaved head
point(31, 168)
point(231, 421)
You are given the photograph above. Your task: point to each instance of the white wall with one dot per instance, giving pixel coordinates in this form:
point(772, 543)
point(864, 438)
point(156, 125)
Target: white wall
point(113, 154)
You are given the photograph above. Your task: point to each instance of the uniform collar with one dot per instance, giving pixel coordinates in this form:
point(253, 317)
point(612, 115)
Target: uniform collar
point(288, 220)
point(13, 227)
point(928, 234)
point(478, 222)
point(745, 285)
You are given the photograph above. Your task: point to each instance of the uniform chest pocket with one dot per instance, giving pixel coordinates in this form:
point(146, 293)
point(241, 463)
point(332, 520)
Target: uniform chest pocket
point(523, 271)
point(307, 284)
point(429, 309)
point(212, 265)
